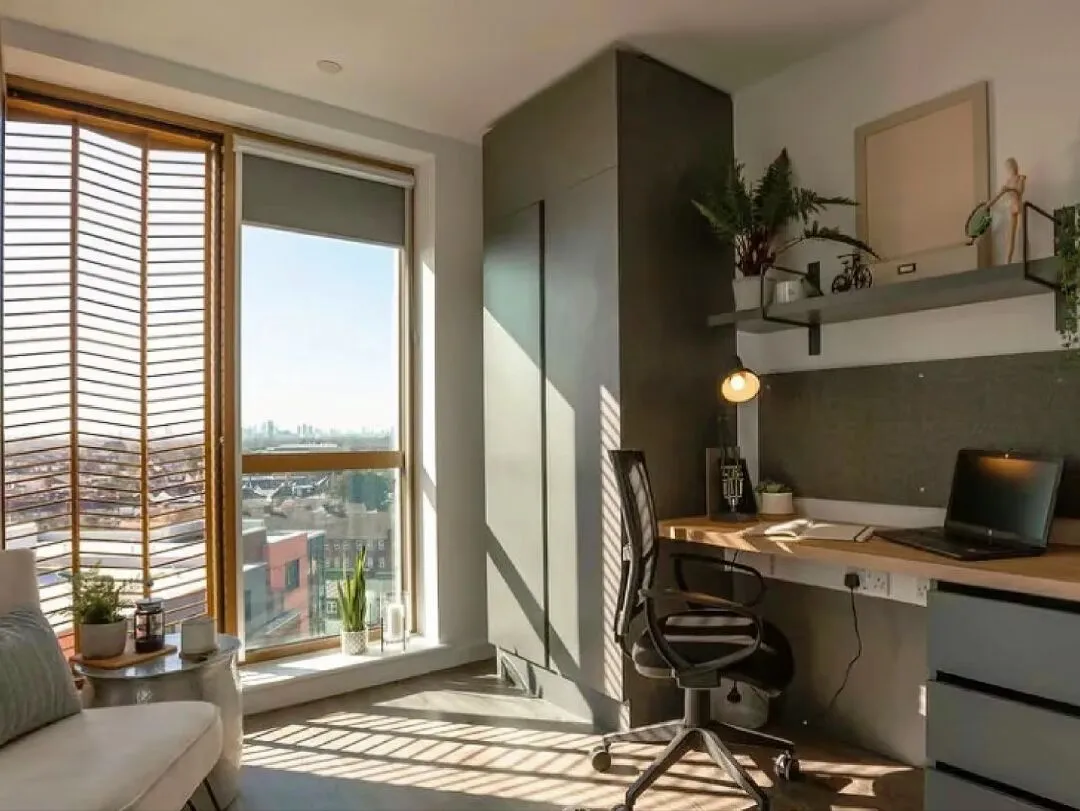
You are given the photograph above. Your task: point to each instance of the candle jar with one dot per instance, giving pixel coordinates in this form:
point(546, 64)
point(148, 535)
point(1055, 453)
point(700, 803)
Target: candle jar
point(395, 618)
point(149, 625)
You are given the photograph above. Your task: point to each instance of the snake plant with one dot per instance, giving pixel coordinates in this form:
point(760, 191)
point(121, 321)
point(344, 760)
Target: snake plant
point(352, 597)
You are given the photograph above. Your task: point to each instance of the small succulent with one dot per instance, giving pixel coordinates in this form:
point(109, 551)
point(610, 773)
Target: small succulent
point(770, 486)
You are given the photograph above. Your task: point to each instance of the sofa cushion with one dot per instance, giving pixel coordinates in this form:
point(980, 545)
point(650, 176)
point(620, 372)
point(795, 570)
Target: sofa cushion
point(36, 687)
point(145, 757)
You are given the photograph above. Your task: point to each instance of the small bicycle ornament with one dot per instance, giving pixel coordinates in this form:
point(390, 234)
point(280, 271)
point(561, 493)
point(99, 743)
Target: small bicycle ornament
point(855, 275)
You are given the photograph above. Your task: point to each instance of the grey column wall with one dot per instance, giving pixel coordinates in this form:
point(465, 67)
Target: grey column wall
point(628, 275)
point(673, 272)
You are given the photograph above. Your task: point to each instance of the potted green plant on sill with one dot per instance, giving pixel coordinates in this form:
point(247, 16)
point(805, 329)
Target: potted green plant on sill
point(774, 498)
point(352, 608)
point(755, 218)
point(97, 606)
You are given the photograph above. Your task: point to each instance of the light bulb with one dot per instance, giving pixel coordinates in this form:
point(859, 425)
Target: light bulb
point(738, 382)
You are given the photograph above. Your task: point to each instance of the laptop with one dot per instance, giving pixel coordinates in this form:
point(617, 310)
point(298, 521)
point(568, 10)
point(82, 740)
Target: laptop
point(1001, 506)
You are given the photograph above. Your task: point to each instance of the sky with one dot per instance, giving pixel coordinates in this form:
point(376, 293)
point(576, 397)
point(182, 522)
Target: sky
point(318, 336)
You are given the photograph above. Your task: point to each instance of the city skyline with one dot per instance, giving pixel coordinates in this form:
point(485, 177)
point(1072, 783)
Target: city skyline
point(319, 341)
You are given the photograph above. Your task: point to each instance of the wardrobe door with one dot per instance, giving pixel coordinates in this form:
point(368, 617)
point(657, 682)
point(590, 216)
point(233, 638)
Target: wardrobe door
point(513, 445)
point(581, 306)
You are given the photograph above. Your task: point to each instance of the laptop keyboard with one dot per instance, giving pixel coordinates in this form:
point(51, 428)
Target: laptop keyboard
point(933, 542)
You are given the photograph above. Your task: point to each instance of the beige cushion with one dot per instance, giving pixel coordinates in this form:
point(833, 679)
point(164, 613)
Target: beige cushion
point(146, 757)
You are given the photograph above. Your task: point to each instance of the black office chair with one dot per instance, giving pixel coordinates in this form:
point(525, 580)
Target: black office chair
point(714, 639)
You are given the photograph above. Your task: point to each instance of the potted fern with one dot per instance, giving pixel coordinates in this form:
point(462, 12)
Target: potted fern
point(97, 606)
point(756, 219)
point(352, 608)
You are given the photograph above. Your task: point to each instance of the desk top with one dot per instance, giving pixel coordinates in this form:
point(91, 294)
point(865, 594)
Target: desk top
point(1055, 574)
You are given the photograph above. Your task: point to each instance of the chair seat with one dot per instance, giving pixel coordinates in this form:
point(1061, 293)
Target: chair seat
point(145, 757)
point(704, 634)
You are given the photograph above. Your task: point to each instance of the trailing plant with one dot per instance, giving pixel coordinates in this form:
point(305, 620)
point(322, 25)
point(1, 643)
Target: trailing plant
point(96, 598)
point(769, 486)
point(352, 597)
point(754, 218)
point(1068, 248)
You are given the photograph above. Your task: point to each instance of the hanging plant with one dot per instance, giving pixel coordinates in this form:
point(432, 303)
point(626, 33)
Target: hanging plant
point(1068, 249)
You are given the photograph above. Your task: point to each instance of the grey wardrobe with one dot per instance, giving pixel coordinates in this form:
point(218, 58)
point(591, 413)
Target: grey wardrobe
point(598, 280)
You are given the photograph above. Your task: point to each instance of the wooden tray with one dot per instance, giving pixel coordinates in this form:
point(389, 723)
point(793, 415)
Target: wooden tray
point(125, 659)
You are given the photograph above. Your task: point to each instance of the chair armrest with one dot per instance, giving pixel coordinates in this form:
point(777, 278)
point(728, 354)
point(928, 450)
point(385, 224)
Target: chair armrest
point(679, 559)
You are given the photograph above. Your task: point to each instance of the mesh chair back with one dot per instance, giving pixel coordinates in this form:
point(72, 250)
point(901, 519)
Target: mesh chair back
point(639, 535)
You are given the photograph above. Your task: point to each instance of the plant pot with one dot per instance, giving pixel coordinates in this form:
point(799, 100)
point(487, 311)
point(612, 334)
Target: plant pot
point(775, 503)
point(103, 641)
point(354, 643)
point(748, 292)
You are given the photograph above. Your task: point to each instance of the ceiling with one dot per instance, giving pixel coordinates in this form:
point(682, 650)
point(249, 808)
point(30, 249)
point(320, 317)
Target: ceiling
point(453, 67)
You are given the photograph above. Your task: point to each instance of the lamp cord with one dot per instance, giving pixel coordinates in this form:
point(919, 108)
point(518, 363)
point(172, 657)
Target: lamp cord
point(851, 665)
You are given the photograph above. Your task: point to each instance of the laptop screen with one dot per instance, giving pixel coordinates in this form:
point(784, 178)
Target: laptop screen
point(1004, 496)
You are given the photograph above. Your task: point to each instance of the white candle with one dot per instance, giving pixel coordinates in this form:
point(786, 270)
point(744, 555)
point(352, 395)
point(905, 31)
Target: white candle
point(395, 621)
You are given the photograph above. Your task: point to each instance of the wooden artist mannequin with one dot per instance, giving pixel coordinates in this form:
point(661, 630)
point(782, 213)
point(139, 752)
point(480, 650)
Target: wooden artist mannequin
point(1014, 186)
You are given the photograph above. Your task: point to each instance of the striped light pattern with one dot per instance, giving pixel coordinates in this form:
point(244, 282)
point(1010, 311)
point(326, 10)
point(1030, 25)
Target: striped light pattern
point(105, 354)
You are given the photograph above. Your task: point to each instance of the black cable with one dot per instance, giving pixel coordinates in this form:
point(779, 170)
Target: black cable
point(851, 665)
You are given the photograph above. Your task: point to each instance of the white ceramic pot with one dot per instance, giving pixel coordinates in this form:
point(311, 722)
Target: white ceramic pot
point(103, 641)
point(748, 292)
point(354, 643)
point(776, 503)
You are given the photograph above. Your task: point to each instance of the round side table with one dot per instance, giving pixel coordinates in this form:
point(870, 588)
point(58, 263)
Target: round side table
point(215, 678)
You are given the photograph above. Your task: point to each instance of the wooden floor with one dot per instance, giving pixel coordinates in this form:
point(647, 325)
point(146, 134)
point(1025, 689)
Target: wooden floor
point(461, 740)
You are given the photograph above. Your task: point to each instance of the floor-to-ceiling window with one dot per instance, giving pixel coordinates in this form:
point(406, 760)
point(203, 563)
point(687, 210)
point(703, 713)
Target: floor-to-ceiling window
point(107, 293)
point(322, 383)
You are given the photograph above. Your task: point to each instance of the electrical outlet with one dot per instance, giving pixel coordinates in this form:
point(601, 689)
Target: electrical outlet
point(872, 583)
point(922, 589)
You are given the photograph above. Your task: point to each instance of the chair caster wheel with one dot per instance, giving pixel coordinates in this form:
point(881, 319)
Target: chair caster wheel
point(786, 766)
point(601, 759)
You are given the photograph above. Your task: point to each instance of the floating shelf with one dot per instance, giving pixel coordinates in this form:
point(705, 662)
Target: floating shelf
point(968, 287)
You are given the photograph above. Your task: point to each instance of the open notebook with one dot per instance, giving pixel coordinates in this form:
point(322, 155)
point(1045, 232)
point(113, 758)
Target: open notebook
point(807, 529)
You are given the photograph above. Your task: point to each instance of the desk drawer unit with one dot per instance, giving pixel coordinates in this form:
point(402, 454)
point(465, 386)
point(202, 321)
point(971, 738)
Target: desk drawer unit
point(1031, 649)
point(1034, 749)
point(947, 792)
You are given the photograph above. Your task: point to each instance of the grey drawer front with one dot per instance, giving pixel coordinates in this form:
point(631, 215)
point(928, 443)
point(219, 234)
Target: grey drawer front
point(1015, 744)
point(1032, 650)
point(944, 792)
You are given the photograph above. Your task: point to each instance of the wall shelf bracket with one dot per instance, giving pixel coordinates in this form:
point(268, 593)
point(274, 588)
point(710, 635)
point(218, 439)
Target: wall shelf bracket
point(812, 275)
point(1059, 293)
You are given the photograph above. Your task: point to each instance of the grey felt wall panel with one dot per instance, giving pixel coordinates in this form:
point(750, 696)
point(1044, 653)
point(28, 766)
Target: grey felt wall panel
point(889, 434)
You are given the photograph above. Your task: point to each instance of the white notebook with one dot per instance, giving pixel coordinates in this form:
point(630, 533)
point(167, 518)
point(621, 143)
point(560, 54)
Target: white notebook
point(807, 529)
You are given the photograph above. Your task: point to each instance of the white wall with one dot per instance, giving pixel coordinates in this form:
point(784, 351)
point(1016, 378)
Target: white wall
point(1028, 53)
point(449, 247)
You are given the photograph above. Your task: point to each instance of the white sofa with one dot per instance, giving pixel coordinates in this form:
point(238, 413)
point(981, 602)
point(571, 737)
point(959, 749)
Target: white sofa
point(147, 757)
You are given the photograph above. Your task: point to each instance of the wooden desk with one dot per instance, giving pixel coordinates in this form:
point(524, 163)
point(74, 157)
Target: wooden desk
point(1055, 574)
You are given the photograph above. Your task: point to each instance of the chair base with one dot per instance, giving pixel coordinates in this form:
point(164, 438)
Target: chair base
point(697, 730)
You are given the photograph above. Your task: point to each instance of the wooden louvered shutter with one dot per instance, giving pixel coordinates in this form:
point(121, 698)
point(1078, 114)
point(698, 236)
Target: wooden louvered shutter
point(106, 358)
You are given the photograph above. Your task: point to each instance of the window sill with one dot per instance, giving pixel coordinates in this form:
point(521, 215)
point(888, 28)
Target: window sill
point(312, 676)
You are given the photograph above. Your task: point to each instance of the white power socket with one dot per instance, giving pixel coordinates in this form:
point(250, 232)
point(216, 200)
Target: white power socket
point(922, 589)
point(875, 584)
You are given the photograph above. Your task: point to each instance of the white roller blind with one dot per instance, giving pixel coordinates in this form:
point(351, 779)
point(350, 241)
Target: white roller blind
point(283, 194)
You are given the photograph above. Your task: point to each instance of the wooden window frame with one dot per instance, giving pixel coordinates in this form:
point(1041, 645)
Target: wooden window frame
point(225, 591)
